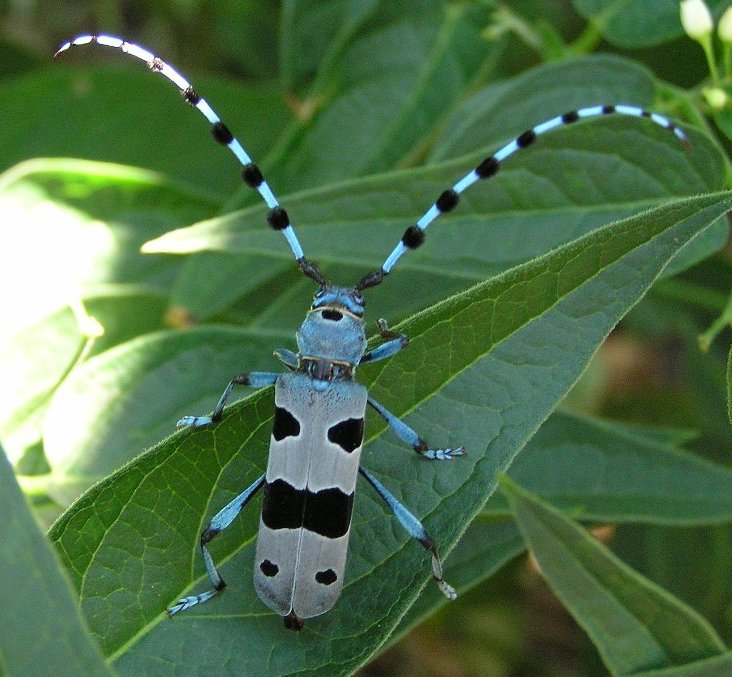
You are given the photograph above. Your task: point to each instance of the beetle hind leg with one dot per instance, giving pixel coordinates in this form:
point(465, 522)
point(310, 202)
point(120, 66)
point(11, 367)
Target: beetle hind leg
point(415, 529)
point(220, 521)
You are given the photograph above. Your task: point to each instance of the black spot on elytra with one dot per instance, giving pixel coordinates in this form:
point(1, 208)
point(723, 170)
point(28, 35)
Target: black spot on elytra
point(285, 424)
point(347, 434)
point(327, 577)
point(268, 568)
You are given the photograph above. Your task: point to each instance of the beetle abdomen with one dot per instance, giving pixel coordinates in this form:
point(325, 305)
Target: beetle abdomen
point(313, 464)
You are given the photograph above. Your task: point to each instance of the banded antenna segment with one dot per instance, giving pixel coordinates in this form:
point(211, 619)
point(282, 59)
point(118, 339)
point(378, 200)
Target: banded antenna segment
point(277, 217)
point(414, 235)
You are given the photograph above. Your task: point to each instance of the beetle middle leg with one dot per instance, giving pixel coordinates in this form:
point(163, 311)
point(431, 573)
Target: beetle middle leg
point(410, 437)
point(395, 342)
point(220, 521)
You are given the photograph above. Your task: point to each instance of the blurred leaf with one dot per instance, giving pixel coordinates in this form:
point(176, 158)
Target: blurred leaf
point(601, 470)
point(41, 630)
point(717, 666)
point(637, 23)
point(129, 397)
point(245, 34)
point(124, 312)
point(729, 385)
point(723, 120)
point(212, 283)
point(32, 363)
point(98, 216)
point(691, 388)
point(634, 624)
point(132, 117)
point(314, 33)
point(691, 563)
point(131, 542)
point(14, 59)
point(382, 86)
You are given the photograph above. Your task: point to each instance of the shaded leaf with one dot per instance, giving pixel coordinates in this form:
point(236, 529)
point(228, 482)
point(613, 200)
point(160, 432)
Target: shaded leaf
point(637, 23)
point(634, 624)
point(606, 471)
point(381, 86)
point(40, 624)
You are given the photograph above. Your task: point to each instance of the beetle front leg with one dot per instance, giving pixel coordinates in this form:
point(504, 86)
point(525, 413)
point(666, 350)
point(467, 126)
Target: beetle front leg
point(395, 342)
point(253, 379)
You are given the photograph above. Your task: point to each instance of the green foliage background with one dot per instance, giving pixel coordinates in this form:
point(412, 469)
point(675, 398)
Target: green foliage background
point(360, 113)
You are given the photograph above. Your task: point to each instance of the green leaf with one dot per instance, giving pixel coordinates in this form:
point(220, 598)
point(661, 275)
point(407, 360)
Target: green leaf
point(484, 368)
point(89, 113)
point(504, 110)
point(40, 624)
point(139, 387)
point(98, 215)
point(315, 33)
point(598, 471)
point(124, 312)
point(482, 550)
point(634, 624)
point(723, 121)
point(35, 361)
point(381, 87)
point(607, 471)
point(15, 59)
point(729, 385)
point(717, 666)
point(637, 23)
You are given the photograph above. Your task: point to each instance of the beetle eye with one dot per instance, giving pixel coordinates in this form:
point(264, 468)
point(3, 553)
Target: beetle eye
point(333, 315)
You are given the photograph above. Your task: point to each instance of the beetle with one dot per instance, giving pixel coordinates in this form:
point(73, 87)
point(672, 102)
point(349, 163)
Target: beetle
point(317, 434)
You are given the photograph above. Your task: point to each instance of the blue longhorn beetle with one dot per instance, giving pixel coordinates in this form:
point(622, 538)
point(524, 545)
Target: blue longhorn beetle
point(319, 408)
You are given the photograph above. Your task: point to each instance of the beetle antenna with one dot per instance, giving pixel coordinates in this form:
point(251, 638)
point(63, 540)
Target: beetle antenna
point(277, 217)
point(414, 236)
